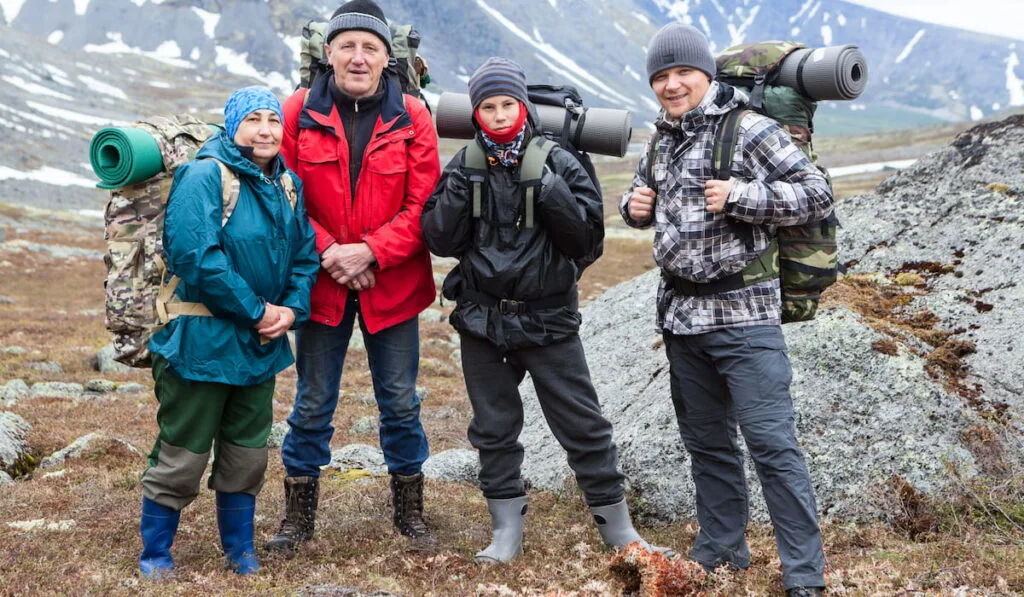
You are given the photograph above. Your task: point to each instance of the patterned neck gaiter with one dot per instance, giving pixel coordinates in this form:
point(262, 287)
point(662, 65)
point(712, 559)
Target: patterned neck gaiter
point(506, 154)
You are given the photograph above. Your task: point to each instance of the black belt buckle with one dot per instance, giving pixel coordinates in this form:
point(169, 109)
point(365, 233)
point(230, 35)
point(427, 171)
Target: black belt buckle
point(510, 307)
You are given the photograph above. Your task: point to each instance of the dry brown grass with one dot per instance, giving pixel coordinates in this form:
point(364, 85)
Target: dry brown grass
point(57, 317)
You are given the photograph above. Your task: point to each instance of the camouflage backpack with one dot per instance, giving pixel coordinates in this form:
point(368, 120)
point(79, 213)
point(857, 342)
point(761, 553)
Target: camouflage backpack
point(804, 257)
point(139, 296)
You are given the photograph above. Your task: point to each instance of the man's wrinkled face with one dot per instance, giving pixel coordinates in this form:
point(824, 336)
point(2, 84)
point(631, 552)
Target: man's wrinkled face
point(358, 59)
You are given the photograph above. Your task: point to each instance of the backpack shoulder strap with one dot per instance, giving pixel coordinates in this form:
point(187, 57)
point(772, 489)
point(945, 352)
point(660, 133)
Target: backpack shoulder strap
point(230, 189)
point(532, 170)
point(475, 167)
point(290, 192)
point(725, 143)
point(721, 163)
point(652, 156)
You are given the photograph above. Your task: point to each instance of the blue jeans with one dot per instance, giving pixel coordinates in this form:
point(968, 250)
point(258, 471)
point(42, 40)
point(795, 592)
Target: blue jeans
point(393, 356)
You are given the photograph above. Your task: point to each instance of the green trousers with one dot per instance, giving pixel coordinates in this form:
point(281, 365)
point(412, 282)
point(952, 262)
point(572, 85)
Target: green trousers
point(196, 416)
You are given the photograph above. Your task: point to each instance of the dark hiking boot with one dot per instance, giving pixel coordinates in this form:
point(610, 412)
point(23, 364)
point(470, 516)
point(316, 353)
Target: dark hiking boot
point(407, 497)
point(301, 497)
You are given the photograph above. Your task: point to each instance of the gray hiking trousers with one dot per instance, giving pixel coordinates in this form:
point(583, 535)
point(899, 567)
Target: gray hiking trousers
point(741, 376)
point(570, 406)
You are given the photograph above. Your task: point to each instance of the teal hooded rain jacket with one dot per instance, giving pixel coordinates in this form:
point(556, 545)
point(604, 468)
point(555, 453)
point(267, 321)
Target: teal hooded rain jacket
point(265, 252)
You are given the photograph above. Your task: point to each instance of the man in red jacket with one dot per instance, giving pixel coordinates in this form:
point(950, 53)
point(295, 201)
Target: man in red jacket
point(367, 156)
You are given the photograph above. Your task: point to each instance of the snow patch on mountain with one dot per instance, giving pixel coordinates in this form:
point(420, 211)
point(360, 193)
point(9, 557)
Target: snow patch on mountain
point(910, 46)
point(11, 8)
point(101, 87)
point(1014, 84)
point(34, 88)
point(167, 52)
point(72, 116)
point(48, 175)
point(209, 19)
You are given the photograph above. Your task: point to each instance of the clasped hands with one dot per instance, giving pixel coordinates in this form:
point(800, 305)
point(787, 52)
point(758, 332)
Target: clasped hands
point(349, 265)
point(276, 321)
point(716, 192)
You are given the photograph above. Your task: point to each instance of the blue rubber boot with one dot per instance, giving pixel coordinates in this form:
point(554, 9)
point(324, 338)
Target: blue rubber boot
point(157, 525)
point(235, 514)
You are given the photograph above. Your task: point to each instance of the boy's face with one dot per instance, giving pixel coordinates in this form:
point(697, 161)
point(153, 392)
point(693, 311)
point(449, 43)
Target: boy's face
point(680, 89)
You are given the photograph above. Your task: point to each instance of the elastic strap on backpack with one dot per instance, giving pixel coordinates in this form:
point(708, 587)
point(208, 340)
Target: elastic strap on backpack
point(531, 171)
point(475, 167)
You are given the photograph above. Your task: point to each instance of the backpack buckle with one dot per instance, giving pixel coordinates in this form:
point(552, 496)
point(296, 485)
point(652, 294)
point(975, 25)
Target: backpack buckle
point(511, 307)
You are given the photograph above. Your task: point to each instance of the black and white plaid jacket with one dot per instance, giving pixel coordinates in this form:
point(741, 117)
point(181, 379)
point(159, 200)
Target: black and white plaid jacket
point(774, 184)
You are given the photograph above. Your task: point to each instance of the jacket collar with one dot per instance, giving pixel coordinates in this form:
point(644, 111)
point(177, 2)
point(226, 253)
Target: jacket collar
point(320, 111)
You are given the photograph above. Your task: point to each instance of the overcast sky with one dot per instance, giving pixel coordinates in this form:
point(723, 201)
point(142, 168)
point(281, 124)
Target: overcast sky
point(998, 17)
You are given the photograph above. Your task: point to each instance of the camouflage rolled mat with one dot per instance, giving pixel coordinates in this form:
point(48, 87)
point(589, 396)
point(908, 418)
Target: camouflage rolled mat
point(123, 156)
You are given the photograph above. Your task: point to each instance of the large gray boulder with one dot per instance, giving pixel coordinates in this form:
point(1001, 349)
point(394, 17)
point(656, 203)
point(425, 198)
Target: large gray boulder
point(873, 400)
point(13, 441)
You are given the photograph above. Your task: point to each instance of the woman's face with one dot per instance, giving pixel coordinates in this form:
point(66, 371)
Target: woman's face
point(498, 113)
point(261, 130)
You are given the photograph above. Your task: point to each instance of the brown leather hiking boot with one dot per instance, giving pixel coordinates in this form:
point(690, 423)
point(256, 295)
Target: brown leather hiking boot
point(301, 497)
point(407, 497)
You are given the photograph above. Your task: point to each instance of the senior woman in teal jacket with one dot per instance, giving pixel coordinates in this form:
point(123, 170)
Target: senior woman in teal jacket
point(214, 374)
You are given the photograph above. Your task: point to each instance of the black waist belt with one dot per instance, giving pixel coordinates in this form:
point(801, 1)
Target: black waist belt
point(514, 307)
point(688, 288)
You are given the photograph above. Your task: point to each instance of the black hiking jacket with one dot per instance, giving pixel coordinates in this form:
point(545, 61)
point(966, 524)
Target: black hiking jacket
point(501, 258)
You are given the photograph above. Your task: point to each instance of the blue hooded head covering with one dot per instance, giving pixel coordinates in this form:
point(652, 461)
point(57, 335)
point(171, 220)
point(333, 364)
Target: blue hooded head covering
point(244, 102)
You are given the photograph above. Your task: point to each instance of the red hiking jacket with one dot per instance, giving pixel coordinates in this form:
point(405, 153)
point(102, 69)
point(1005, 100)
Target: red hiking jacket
point(399, 171)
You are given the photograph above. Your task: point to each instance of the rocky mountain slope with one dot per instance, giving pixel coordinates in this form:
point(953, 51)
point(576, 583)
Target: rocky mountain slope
point(912, 374)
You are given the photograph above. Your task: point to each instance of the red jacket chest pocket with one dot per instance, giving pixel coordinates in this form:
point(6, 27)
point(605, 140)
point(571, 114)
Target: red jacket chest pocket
point(387, 169)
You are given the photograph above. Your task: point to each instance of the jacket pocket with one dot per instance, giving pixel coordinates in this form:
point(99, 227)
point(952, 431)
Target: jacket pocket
point(388, 169)
point(317, 147)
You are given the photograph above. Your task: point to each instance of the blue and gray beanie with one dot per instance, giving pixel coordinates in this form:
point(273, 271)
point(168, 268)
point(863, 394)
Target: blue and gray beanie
point(363, 15)
point(244, 102)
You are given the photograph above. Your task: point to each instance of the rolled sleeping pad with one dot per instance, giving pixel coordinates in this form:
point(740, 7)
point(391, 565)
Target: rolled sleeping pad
point(605, 130)
point(124, 156)
point(830, 73)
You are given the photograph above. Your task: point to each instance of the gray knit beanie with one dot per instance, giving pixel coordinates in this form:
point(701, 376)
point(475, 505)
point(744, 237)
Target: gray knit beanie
point(677, 44)
point(363, 15)
point(498, 76)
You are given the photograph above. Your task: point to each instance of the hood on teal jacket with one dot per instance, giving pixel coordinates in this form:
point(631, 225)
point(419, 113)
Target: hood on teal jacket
point(265, 253)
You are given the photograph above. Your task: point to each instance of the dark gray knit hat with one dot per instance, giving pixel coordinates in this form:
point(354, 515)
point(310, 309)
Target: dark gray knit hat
point(498, 76)
point(363, 15)
point(677, 44)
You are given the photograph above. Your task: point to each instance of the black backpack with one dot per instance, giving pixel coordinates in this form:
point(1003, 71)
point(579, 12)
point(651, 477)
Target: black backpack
point(536, 154)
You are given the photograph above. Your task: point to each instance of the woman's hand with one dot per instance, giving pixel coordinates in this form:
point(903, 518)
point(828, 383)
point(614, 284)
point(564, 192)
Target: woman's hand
point(276, 321)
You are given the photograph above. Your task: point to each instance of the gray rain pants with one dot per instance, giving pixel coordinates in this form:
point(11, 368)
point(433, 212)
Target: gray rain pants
point(741, 376)
point(570, 406)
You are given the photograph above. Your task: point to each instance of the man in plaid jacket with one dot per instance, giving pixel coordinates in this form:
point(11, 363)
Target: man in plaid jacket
point(722, 331)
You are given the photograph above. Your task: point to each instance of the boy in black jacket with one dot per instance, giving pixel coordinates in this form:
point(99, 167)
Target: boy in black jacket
point(517, 308)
